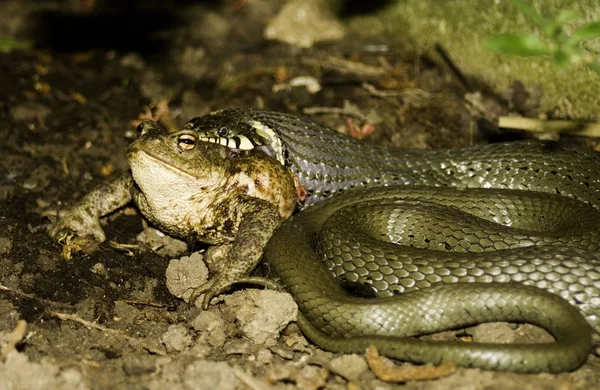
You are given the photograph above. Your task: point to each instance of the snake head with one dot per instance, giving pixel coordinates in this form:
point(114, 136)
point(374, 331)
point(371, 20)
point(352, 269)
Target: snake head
point(239, 130)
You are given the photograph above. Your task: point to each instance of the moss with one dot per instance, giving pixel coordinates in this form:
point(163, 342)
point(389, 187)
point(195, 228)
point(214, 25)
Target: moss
point(461, 26)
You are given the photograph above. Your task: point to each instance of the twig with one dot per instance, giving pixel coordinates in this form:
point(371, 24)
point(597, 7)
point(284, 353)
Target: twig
point(140, 303)
point(379, 93)
point(334, 111)
point(116, 332)
point(31, 296)
point(14, 337)
point(550, 126)
point(453, 67)
point(250, 381)
point(402, 374)
point(22, 294)
point(344, 66)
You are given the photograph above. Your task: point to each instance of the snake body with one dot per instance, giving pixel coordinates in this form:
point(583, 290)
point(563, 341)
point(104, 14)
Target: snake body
point(512, 219)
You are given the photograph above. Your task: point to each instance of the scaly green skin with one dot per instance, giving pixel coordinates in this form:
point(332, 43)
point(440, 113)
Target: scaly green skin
point(553, 243)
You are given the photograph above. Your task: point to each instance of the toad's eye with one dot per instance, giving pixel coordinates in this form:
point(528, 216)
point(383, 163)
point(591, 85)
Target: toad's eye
point(233, 154)
point(187, 142)
point(222, 132)
point(140, 128)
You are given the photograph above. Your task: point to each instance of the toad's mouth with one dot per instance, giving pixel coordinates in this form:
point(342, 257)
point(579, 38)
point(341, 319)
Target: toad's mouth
point(136, 155)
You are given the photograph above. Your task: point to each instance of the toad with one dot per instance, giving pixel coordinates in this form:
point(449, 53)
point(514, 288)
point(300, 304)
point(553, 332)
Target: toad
point(196, 191)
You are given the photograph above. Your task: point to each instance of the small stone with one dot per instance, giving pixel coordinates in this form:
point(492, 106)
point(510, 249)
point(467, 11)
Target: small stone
point(264, 356)
point(86, 309)
point(30, 112)
point(17, 372)
point(494, 332)
point(504, 333)
point(139, 364)
point(72, 378)
point(283, 352)
point(176, 338)
point(262, 314)
point(133, 61)
point(303, 23)
point(185, 274)
point(527, 333)
point(99, 269)
point(312, 377)
point(350, 367)
point(125, 313)
point(207, 375)
point(211, 327)
point(191, 62)
point(239, 347)
point(200, 350)
point(160, 243)
point(5, 245)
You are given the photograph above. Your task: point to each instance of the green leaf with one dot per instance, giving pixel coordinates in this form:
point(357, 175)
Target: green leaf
point(595, 67)
point(562, 59)
point(519, 44)
point(8, 44)
point(530, 11)
point(590, 30)
point(566, 16)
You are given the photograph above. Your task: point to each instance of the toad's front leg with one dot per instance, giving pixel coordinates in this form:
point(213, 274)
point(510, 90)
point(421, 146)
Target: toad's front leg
point(237, 259)
point(83, 218)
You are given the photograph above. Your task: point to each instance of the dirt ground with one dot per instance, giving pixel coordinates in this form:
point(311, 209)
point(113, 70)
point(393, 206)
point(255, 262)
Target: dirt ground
point(105, 318)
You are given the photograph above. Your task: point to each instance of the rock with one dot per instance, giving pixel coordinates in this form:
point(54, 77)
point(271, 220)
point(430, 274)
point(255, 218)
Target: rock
point(18, 373)
point(30, 112)
point(139, 364)
point(211, 327)
point(166, 245)
point(262, 314)
point(177, 338)
point(350, 367)
point(207, 375)
point(185, 274)
point(306, 378)
point(125, 313)
point(504, 333)
point(264, 356)
point(303, 23)
point(133, 60)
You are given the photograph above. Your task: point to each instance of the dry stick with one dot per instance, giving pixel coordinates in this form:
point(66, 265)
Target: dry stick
point(31, 296)
point(344, 66)
point(73, 317)
point(14, 337)
point(22, 294)
point(334, 111)
point(118, 333)
point(454, 68)
point(386, 373)
point(550, 126)
point(144, 303)
point(250, 381)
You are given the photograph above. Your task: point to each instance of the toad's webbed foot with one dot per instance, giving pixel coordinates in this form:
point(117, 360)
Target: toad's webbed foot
point(220, 284)
point(83, 218)
point(77, 221)
point(210, 289)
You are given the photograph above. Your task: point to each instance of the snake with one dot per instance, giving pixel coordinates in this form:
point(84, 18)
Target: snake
point(391, 243)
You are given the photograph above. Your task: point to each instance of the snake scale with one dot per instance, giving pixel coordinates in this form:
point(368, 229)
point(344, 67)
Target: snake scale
point(443, 238)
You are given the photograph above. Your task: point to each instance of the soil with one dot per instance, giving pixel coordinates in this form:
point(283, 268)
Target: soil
point(103, 317)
